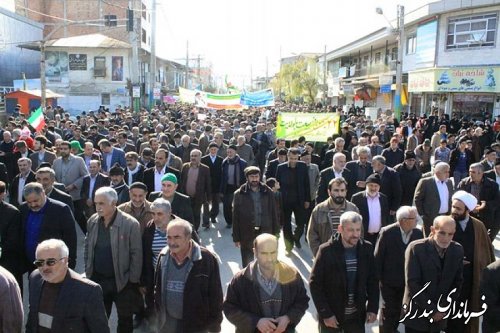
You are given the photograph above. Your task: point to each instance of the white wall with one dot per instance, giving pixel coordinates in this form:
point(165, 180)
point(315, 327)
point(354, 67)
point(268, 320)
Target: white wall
point(478, 56)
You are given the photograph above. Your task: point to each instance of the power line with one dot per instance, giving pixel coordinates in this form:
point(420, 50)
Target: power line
point(43, 14)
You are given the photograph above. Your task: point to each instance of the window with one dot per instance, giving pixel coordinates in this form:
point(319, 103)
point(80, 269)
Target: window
point(99, 66)
point(378, 56)
point(365, 61)
point(472, 31)
point(144, 36)
point(411, 44)
point(394, 54)
point(143, 11)
point(105, 99)
point(110, 20)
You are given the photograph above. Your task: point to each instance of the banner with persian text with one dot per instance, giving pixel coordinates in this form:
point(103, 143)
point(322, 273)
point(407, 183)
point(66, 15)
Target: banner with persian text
point(313, 126)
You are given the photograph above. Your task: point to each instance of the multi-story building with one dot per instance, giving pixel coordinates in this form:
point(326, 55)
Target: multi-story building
point(450, 62)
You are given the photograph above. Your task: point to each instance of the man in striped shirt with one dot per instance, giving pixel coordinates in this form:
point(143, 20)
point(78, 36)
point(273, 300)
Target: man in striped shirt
point(342, 283)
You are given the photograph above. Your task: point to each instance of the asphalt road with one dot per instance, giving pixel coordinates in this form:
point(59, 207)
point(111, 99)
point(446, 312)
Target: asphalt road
point(219, 240)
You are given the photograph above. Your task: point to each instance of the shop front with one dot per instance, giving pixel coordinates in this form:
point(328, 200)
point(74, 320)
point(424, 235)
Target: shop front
point(468, 91)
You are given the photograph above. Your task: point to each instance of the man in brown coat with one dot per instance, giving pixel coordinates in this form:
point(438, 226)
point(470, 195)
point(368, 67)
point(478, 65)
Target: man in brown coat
point(254, 213)
point(196, 183)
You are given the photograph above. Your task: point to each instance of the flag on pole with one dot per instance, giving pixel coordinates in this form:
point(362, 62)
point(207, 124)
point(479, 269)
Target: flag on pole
point(37, 120)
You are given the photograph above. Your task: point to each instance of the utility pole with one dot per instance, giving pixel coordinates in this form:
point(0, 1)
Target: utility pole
point(399, 65)
point(43, 83)
point(134, 70)
point(186, 83)
point(152, 65)
point(251, 77)
point(325, 87)
point(267, 71)
point(279, 77)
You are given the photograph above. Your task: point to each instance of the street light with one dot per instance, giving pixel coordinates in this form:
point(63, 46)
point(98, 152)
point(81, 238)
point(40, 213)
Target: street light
point(400, 29)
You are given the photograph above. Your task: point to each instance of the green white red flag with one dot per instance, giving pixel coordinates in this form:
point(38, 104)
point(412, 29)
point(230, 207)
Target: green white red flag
point(37, 120)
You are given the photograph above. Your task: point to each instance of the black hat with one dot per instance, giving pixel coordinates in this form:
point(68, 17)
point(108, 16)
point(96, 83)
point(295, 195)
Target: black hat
point(116, 170)
point(212, 145)
point(282, 151)
point(140, 185)
point(373, 178)
point(410, 154)
point(208, 128)
point(488, 150)
point(251, 170)
point(233, 147)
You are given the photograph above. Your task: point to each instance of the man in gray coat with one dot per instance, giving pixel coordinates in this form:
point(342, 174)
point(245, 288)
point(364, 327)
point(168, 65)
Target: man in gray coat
point(113, 257)
point(70, 170)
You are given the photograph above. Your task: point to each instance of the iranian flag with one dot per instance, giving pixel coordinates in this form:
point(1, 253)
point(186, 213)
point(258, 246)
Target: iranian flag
point(228, 102)
point(37, 120)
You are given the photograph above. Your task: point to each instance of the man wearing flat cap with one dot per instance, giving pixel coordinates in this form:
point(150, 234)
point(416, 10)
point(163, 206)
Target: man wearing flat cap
point(489, 160)
point(138, 206)
point(117, 175)
point(373, 207)
point(478, 253)
point(409, 175)
point(254, 213)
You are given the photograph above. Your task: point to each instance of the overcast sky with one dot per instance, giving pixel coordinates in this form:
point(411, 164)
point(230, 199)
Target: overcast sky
point(235, 35)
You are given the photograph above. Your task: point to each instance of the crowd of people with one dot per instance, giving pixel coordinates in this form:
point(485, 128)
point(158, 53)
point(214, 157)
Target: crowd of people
point(400, 216)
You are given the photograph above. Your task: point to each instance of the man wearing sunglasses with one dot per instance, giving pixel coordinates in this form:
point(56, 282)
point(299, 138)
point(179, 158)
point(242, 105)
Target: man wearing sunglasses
point(61, 300)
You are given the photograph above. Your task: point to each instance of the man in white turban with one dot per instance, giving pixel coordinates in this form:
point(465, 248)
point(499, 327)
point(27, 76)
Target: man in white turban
point(478, 253)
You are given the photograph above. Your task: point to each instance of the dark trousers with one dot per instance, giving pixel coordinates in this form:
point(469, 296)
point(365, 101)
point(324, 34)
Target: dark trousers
point(372, 238)
point(348, 326)
point(124, 302)
point(79, 216)
point(227, 203)
point(246, 256)
point(212, 211)
point(299, 211)
point(393, 301)
point(196, 207)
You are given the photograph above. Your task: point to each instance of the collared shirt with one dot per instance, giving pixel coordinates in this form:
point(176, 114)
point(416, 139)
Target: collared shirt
point(92, 185)
point(212, 158)
point(22, 182)
point(158, 177)
point(338, 174)
point(444, 195)
point(269, 285)
point(441, 251)
point(463, 223)
point(375, 213)
point(405, 236)
point(108, 160)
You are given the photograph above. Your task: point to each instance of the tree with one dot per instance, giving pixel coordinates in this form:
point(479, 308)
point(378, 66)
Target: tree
point(297, 81)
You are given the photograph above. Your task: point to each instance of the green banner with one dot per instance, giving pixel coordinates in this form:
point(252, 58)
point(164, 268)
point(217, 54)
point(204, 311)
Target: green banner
point(313, 126)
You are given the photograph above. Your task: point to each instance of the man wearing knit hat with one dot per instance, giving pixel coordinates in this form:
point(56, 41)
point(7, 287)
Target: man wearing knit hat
point(181, 203)
point(373, 207)
point(138, 206)
point(409, 175)
point(478, 253)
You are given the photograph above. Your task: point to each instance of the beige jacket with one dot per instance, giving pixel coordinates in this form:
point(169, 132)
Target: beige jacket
point(320, 228)
point(126, 248)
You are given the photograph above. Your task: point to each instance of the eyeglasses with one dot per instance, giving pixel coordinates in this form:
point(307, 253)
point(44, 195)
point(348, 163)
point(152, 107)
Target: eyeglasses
point(49, 262)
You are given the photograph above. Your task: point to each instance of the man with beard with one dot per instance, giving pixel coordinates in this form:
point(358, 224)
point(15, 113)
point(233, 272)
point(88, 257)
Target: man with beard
point(233, 176)
point(153, 176)
point(360, 169)
point(92, 183)
point(478, 253)
point(268, 295)
point(342, 283)
point(409, 176)
point(337, 170)
point(25, 176)
point(41, 155)
point(254, 213)
point(325, 217)
point(47, 177)
point(134, 172)
point(116, 175)
point(70, 170)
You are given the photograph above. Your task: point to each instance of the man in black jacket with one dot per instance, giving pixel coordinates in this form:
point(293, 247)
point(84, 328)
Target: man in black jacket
point(293, 177)
point(43, 218)
point(390, 263)
point(47, 177)
point(373, 207)
point(24, 177)
point(249, 301)
point(337, 170)
point(214, 163)
point(390, 183)
point(490, 287)
point(342, 283)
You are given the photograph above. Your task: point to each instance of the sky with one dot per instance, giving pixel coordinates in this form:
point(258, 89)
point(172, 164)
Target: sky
point(238, 37)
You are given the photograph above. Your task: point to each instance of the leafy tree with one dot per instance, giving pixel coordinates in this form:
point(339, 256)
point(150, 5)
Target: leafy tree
point(297, 81)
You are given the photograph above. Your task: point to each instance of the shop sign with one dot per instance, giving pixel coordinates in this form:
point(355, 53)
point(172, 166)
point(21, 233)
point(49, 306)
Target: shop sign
point(385, 89)
point(458, 79)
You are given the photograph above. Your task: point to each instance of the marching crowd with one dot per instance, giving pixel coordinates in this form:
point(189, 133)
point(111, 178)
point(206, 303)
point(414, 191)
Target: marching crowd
point(400, 217)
